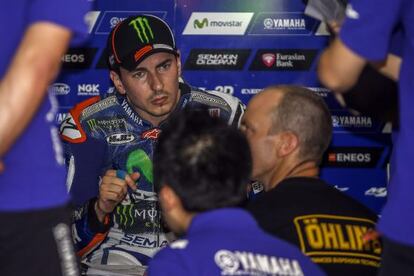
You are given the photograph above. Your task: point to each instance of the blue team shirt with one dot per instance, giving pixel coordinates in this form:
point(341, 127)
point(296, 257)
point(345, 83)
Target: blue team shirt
point(35, 176)
point(367, 31)
point(229, 242)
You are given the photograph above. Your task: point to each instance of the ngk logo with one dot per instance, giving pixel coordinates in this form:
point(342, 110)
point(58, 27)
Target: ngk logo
point(88, 89)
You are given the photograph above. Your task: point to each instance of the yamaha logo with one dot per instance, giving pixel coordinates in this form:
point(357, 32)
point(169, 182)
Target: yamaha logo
point(285, 23)
point(268, 23)
point(352, 121)
point(249, 263)
point(282, 23)
point(115, 20)
point(120, 138)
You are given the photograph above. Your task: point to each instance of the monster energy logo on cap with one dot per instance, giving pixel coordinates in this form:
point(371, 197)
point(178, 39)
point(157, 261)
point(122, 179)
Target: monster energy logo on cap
point(136, 38)
point(143, 29)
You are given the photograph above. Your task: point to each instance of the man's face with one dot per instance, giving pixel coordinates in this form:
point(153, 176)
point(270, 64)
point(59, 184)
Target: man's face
point(152, 88)
point(256, 124)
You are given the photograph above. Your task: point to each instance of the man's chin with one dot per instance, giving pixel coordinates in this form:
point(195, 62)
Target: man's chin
point(161, 111)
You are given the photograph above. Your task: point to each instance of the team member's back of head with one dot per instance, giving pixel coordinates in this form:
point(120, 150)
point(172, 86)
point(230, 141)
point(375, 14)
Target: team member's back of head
point(205, 162)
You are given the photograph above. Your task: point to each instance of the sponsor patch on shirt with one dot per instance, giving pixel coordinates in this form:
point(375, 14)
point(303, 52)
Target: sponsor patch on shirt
point(337, 239)
point(248, 263)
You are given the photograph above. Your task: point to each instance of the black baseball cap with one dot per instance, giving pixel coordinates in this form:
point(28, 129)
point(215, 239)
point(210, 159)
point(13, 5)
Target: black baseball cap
point(137, 37)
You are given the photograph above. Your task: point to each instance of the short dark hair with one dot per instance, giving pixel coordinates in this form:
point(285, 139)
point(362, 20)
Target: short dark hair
point(206, 162)
point(306, 114)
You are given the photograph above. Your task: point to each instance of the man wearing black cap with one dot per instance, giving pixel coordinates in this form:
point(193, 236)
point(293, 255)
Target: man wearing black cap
point(118, 226)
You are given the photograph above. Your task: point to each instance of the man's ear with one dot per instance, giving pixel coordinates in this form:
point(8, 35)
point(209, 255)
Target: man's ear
point(168, 198)
point(116, 79)
point(178, 58)
point(288, 143)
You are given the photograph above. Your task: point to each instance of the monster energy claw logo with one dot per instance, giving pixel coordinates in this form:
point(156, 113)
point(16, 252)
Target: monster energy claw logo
point(92, 124)
point(200, 24)
point(143, 29)
point(124, 212)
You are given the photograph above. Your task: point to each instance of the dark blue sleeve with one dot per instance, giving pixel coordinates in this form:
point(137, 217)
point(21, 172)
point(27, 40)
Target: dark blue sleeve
point(396, 45)
point(368, 27)
point(87, 231)
point(85, 162)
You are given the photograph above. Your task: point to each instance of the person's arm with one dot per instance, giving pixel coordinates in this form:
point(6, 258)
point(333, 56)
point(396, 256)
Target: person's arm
point(35, 64)
point(92, 221)
point(87, 231)
point(339, 67)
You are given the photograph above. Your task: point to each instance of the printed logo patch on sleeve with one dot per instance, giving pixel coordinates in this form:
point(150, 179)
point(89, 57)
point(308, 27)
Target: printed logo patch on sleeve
point(337, 239)
point(69, 130)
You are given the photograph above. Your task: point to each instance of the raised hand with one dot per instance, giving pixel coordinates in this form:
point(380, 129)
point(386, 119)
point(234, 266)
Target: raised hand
point(113, 190)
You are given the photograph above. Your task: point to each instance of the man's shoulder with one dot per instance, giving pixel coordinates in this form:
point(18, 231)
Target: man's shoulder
point(305, 196)
point(218, 104)
point(71, 128)
point(212, 97)
point(174, 254)
point(97, 108)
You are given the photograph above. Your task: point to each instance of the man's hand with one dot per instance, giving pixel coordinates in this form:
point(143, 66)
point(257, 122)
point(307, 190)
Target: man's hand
point(1, 167)
point(112, 191)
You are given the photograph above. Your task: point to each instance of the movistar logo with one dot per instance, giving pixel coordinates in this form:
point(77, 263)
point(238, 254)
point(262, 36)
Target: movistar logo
point(138, 160)
point(200, 24)
point(143, 29)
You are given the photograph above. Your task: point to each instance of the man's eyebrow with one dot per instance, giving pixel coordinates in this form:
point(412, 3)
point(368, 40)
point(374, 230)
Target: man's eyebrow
point(139, 69)
point(162, 63)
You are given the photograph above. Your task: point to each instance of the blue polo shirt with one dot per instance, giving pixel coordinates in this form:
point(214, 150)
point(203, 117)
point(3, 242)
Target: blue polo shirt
point(367, 31)
point(229, 242)
point(35, 176)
